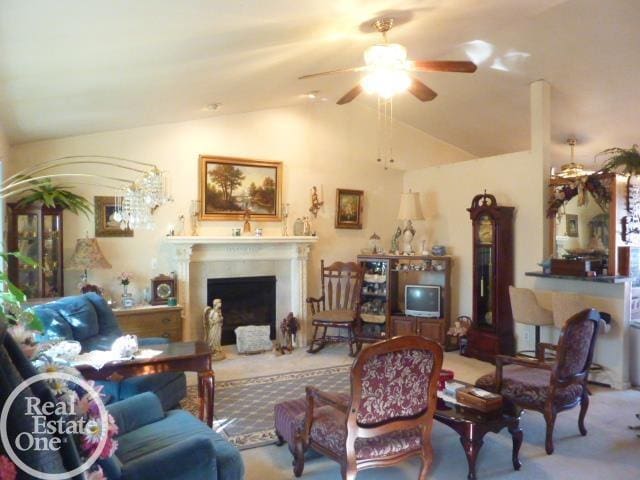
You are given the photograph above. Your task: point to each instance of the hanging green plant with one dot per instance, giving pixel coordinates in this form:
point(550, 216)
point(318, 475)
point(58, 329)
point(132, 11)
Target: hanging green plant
point(622, 160)
point(56, 196)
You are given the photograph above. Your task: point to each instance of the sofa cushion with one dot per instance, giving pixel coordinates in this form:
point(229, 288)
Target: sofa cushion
point(55, 325)
point(108, 323)
point(80, 314)
point(176, 427)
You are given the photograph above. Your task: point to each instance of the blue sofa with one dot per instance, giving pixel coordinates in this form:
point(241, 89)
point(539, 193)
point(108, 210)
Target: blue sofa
point(153, 444)
point(88, 319)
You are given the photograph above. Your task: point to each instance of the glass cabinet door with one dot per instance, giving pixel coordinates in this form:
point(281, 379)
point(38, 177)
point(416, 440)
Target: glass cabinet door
point(51, 249)
point(484, 271)
point(28, 241)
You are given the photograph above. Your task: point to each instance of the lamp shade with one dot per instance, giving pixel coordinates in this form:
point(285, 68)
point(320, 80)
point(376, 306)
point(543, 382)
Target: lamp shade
point(410, 207)
point(87, 256)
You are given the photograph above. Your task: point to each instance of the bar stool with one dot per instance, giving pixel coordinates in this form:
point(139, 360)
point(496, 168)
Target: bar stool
point(526, 310)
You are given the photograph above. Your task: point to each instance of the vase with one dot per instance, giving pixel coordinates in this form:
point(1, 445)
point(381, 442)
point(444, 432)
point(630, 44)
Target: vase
point(127, 298)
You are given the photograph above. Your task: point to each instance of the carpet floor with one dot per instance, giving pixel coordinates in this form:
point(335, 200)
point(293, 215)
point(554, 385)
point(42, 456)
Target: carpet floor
point(609, 451)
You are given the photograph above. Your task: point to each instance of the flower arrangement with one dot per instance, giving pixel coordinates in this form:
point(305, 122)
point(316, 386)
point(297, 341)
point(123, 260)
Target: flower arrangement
point(594, 184)
point(125, 278)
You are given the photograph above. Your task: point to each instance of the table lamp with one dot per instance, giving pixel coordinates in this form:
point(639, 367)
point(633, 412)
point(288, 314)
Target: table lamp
point(409, 210)
point(87, 256)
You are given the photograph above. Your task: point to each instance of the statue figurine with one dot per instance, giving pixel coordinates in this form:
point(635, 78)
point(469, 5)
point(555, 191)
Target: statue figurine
point(394, 241)
point(306, 231)
point(289, 328)
point(246, 228)
point(213, 329)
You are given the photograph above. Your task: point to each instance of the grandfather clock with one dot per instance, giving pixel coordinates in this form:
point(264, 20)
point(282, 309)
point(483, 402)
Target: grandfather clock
point(491, 332)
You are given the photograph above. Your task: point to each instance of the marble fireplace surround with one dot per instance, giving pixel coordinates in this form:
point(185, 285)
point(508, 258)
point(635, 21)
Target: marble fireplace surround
point(196, 259)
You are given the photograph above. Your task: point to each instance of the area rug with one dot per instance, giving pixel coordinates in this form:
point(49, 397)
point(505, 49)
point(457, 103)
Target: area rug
point(244, 408)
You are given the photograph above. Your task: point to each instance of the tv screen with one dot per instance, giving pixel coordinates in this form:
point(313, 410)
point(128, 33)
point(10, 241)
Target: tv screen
point(422, 300)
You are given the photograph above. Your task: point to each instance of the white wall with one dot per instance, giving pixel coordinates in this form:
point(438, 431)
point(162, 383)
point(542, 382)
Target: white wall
point(320, 144)
point(446, 192)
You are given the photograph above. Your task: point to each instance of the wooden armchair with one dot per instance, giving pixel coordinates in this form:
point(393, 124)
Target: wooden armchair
point(550, 388)
point(389, 415)
point(338, 306)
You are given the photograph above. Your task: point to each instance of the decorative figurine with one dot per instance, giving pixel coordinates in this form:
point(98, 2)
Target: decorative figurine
point(289, 328)
point(298, 227)
point(194, 214)
point(374, 243)
point(407, 236)
point(246, 228)
point(315, 202)
point(395, 241)
point(306, 231)
point(285, 216)
point(213, 329)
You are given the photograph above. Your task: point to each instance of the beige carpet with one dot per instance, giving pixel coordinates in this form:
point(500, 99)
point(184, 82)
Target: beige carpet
point(609, 452)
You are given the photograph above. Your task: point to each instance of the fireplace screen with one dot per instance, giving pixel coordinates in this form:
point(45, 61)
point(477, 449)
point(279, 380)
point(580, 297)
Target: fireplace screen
point(245, 301)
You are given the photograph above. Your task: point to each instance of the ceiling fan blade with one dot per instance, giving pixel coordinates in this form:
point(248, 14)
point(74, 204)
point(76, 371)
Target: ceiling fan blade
point(421, 91)
point(350, 95)
point(442, 66)
point(331, 72)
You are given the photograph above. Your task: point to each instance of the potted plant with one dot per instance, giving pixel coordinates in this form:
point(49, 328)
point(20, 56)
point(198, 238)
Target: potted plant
point(50, 195)
point(622, 160)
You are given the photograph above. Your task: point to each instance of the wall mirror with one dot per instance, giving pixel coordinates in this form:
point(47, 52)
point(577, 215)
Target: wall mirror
point(582, 227)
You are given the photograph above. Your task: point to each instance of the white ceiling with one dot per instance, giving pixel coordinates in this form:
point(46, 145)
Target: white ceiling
point(78, 66)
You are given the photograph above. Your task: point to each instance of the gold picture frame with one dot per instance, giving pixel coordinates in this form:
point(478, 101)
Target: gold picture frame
point(349, 208)
point(258, 190)
point(103, 209)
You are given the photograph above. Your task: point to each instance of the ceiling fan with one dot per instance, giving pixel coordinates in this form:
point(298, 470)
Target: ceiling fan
point(388, 70)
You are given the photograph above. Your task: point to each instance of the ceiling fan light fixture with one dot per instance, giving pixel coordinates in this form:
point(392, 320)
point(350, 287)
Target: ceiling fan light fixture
point(388, 55)
point(386, 83)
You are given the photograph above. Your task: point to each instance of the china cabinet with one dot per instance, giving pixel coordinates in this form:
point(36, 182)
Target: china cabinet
point(491, 332)
point(36, 232)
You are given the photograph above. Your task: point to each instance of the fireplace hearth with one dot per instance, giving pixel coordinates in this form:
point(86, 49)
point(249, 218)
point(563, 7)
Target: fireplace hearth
point(245, 301)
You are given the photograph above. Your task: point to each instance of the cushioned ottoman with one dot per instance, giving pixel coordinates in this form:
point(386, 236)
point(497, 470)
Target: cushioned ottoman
point(289, 419)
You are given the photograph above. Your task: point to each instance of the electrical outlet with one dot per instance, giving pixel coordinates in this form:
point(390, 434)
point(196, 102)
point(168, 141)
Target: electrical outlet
point(154, 263)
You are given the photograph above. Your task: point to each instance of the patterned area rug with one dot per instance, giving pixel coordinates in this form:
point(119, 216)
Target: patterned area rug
point(244, 408)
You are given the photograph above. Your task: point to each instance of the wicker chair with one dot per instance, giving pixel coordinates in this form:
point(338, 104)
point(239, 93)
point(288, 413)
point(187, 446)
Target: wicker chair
point(389, 415)
point(339, 305)
point(550, 388)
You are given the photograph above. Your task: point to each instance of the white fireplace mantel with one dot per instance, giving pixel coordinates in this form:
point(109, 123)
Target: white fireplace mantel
point(186, 250)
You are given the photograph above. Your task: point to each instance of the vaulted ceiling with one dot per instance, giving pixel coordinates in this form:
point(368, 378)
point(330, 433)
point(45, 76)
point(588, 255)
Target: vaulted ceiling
point(81, 66)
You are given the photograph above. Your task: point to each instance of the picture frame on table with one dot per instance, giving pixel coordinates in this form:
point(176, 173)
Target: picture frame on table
point(104, 208)
point(349, 208)
point(572, 225)
point(229, 187)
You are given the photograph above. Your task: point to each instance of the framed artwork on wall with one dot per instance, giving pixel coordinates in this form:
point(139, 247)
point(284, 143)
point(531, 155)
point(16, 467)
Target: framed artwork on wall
point(231, 186)
point(106, 225)
point(572, 225)
point(349, 208)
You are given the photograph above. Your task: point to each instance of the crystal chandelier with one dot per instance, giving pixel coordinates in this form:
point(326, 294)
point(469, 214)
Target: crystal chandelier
point(136, 199)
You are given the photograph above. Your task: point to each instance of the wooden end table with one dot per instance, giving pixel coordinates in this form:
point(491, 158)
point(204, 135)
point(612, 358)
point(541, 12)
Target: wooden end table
point(175, 357)
point(472, 425)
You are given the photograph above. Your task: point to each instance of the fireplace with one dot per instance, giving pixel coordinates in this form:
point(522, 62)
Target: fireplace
point(245, 301)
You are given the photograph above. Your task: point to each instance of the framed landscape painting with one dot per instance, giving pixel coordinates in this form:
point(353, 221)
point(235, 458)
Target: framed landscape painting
point(106, 225)
point(349, 208)
point(231, 186)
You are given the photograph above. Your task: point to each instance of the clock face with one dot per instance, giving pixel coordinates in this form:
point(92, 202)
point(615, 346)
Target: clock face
point(485, 230)
point(163, 291)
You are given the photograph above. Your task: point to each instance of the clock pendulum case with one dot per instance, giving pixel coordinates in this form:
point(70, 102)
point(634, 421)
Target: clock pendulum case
point(491, 332)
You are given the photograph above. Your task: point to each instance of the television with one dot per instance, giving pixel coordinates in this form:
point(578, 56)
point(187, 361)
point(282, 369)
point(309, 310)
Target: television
point(422, 300)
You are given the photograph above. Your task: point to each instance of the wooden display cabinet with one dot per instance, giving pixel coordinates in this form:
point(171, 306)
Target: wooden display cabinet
point(491, 332)
point(383, 294)
point(36, 232)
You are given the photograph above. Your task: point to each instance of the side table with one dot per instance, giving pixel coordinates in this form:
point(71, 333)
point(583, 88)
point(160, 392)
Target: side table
point(151, 321)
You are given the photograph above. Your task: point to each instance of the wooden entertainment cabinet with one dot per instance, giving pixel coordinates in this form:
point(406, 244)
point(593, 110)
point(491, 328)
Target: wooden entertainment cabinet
point(382, 297)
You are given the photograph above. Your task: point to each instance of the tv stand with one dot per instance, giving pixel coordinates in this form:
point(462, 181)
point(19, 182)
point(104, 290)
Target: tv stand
point(383, 288)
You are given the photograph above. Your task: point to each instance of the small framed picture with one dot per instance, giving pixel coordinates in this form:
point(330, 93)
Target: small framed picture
point(572, 225)
point(106, 225)
point(349, 208)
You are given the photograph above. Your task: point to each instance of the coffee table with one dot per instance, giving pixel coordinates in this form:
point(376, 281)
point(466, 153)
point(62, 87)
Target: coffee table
point(472, 425)
point(175, 357)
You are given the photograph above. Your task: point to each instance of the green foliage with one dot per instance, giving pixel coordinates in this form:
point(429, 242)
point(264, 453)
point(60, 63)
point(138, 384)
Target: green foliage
point(228, 178)
point(11, 311)
point(56, 196)
point(622, 160)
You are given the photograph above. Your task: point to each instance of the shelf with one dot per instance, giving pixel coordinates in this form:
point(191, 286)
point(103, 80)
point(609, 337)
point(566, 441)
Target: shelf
point(379, 295)
point(598, 279)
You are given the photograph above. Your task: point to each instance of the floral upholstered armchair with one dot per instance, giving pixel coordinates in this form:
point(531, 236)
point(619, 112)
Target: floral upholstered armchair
point(550, 388)
point(389, 415)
